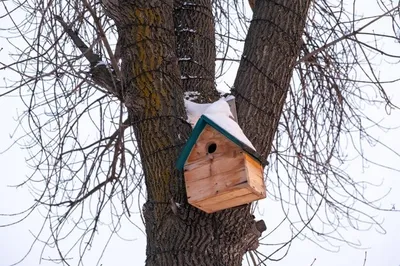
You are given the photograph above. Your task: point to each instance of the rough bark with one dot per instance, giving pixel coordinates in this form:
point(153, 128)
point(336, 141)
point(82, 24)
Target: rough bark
point(153, 94)
point(195, 35)
point(271, 48)
point(152, 90)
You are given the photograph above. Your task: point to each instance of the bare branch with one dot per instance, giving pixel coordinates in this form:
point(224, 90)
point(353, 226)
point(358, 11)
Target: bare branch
point(102, 75)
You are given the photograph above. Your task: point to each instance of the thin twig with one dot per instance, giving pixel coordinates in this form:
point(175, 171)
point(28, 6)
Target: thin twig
point(316, 51)
point(103, 38)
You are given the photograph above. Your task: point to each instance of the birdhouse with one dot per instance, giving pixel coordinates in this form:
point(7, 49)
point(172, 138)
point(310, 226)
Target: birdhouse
point(221, 167)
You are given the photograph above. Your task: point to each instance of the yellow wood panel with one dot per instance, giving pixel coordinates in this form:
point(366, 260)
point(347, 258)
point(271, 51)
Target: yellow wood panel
point(224, 196)
point(236, 201)
point(213, 167)
point(210, 135)
point(245, 199)
point(209, 187)
point(199, 150)
point(255, 175)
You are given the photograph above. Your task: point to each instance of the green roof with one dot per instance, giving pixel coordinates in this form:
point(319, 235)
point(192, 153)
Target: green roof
point(200, 125)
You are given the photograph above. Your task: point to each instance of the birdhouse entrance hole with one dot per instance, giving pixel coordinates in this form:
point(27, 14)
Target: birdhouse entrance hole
point(212, 147)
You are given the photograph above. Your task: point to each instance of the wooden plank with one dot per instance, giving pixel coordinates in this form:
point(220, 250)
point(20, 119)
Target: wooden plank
point(255, 173)
point(237, 201)
point(225, 196)
point(209, 187)
point(199, 150)
point(210, 135)
point(255, 164)
point(215, 167)
point(207, 159)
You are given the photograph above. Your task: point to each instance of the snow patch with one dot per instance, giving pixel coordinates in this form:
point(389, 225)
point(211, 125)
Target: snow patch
point(194, 111)
point(101, 63)
point(188, 4)
point(219, 107)
point(229, 97)
point(189, 77)
point(191, 95)
point(231, 127)
point(187, 30)
point(220, 113)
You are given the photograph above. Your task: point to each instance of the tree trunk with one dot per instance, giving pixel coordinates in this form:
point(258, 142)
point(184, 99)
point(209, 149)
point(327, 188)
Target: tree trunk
point(153, 95)
point(195, 35)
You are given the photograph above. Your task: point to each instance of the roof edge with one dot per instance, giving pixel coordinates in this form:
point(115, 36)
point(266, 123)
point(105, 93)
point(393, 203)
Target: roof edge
point(200, 125)
point(246, 148)
point(180, 163)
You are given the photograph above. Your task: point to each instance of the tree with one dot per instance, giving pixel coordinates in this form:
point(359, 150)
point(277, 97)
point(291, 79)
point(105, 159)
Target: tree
point(124, 67)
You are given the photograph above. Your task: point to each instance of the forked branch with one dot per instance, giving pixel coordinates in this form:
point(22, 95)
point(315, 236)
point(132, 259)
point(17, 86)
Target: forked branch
point(101, 73)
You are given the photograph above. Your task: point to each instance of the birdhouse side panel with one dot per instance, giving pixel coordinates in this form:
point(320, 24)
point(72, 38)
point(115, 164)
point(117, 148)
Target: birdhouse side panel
point(255, 174)
point(211, 186)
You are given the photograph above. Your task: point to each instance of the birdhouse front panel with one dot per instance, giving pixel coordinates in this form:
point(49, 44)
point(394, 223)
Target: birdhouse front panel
point(219, 174)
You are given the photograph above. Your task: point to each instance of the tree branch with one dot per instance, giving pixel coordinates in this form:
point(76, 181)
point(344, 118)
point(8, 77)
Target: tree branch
point(346, 36)
point(103, 38)
point(102, 74)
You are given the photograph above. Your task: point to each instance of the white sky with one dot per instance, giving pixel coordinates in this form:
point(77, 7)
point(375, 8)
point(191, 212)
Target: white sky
point(15, 241)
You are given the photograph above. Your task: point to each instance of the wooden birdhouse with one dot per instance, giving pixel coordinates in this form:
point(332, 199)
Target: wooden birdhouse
point(221, 167)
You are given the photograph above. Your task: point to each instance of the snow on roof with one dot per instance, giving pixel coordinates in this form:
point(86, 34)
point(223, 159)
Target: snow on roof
point(220, 113)
point(194, 111)
point(230, 126)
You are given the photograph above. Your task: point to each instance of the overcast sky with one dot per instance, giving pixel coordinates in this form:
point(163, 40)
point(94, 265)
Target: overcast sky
point(15, 241)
